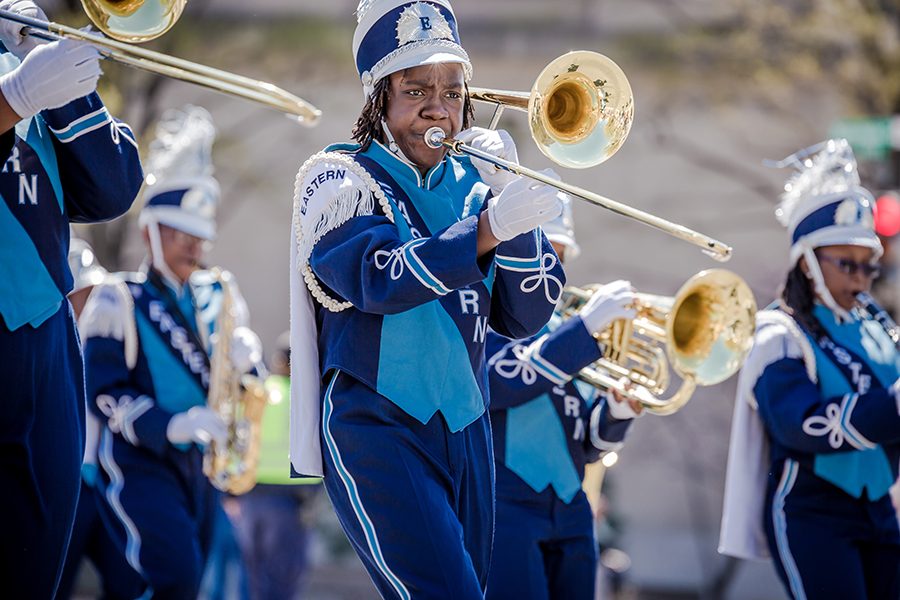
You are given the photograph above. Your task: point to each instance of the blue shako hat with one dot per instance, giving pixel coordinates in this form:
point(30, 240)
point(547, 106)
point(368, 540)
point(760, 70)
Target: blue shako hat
point(823, 204)
point(393, 35)
point(179, 190)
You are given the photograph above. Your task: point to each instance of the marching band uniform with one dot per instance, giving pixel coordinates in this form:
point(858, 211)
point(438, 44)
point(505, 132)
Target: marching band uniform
point(396, 335)
point(89, 536)
point(546, 427)
point(814, 444)
point(67, 160)
point(148, 375)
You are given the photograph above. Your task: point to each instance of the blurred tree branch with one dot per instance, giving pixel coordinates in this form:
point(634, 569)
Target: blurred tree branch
point(766, 48)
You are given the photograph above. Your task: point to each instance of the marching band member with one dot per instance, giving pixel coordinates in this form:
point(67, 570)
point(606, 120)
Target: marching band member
point(66, 160)
point(814, 441)
point(402, 257)
point(147, 344)
point(89, 537)
point(545, 430)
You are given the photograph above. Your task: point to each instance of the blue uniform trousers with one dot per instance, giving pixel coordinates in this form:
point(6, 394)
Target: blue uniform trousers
point(415, 500)
point(827, 544)
point(161, 513)
point(41, 444)
point(548, 548)
point(90, 539)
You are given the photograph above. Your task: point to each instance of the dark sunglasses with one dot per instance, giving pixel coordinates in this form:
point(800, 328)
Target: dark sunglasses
point(849, 267)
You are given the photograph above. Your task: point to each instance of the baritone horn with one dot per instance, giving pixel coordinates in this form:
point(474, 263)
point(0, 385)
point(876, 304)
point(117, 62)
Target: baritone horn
point(143, 20)
point(707, 329)
point(580, 111)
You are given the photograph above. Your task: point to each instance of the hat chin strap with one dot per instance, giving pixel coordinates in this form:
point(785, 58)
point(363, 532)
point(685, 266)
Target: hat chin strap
point(157, 259)
point(392, 145)
point(815, 273)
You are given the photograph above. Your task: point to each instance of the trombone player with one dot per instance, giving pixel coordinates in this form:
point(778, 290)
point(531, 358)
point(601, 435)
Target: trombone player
point(402, 255)
point(546, 427)
point(66, 160)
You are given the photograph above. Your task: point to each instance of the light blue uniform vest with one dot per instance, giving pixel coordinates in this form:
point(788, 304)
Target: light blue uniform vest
point(857, 470)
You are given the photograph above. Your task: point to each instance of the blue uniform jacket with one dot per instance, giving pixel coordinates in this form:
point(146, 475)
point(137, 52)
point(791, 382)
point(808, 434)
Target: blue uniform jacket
point(145, 360)
point(545, 427)
point(70, 164)
point(841, 421)
point(419, 296)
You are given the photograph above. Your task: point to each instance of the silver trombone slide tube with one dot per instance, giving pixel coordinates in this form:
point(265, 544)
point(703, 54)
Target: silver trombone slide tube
point(261, 92)
point(435, 138)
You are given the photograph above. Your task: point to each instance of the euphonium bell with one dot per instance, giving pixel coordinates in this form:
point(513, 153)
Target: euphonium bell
point(707, 329)
point(134, 20)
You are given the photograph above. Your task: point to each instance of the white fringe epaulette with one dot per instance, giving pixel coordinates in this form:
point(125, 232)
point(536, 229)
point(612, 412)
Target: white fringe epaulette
point(109, 313)
point(777, 336)
point(356, 200)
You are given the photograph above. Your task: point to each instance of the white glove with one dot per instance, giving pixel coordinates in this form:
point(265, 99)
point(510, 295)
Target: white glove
point(523, 205)
point(11, 31)
point(607, 304)
point(198, 425)
point(246, 349)
point(621, 411)
point(496, 142)
point(52, 75)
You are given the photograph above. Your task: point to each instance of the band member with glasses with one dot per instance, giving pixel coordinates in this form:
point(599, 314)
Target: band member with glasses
point(402, 257)
point(546, 427)
point(147, 359)
point(815, 440)
point(66, 159)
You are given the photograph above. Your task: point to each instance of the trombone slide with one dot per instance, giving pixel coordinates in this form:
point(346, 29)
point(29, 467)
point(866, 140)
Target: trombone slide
point(435, 138)
point(236, 85)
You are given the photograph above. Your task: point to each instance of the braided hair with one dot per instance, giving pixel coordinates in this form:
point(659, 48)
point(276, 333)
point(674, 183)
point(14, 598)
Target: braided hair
point(368, 126)
point(798, 298)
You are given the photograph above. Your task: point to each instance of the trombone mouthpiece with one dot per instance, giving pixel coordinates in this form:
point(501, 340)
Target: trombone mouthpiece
point(434, 137)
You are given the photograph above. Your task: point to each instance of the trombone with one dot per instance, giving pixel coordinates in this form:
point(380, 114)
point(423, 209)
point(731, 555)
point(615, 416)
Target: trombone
point(254, 90)
point(580, 111)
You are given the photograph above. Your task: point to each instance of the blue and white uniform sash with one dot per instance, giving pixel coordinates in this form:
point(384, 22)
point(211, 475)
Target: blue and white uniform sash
point(860, 356)
point(28, 292)
point(176, 357)
point(427, 334)
point(537, 449)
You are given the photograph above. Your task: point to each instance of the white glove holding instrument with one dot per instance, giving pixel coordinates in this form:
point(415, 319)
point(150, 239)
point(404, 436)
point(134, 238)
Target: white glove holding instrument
point(523, 205)
point(198, 425)
point(607, 304)
point(246, 349)
point(52, 75)
point(623, 408)
point(496, 142)
point(11, 31)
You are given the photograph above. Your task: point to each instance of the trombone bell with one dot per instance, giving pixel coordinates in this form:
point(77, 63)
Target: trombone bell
point(134, 21)
point(581, 109)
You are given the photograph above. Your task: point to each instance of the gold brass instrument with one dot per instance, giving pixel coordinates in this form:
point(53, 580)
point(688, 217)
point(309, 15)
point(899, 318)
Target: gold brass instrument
point(238, 399)
point(707, 329)
point(580, 108)
point(133, 20)
point(580, 111)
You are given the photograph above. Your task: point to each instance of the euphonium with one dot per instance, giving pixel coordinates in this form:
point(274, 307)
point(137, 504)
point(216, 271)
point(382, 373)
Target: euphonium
point(238, 398)
point(707, 329)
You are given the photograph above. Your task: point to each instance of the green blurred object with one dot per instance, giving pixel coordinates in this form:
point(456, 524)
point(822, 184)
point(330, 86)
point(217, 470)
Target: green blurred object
point(274, 466)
